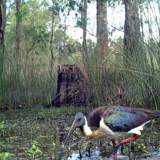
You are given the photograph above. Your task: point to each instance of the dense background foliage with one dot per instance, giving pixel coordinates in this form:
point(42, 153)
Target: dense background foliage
point(36, 42)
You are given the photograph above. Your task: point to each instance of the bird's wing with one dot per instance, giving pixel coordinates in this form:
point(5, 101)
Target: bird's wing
point(123, 120)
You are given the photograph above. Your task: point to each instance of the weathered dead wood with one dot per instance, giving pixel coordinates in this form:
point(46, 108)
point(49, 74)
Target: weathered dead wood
point(71, 87)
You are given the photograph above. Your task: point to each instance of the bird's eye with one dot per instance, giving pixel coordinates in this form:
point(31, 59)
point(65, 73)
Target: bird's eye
point(79, 119)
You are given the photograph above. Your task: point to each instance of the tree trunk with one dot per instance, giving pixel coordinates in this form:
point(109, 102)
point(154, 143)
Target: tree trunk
point(131, 32)
point(101, 53)
point(2, 31)
point(51, 43)
point(2, 22)
point(157, 21)
point(84, 27)
point(18, 45)
point(102, 32)
point(18, 27)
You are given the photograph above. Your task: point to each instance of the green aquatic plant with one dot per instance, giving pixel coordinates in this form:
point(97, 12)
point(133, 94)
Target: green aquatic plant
point(6, 127)
point(139, 147)
point(5, 155)
point(3, 128)
point(34, 151)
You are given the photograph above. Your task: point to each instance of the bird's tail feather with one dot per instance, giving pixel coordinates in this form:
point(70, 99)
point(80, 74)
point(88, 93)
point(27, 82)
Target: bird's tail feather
point(156, 115)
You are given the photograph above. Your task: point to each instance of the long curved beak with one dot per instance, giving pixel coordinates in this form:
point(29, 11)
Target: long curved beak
point(73, 127)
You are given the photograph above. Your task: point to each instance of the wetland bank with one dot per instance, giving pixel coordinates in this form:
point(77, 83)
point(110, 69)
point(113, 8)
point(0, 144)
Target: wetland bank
point(38, 133)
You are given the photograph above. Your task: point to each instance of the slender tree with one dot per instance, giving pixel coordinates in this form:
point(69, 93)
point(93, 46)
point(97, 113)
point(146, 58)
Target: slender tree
point(1, 23)
point(84, 25)
point(51, 40)
point(18, 27)
point(2, 31)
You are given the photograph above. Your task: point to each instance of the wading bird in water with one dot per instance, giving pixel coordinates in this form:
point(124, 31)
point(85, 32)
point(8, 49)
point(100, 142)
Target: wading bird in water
point(114, 123)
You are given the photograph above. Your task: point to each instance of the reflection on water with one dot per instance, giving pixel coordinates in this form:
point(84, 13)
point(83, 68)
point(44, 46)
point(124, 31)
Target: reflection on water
point(94, 155)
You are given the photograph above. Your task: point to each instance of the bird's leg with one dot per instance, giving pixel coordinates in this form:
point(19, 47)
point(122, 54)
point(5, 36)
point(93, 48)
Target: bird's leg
point(130, 139)
point(127, 141)
point(122, 149)
point(114, 149)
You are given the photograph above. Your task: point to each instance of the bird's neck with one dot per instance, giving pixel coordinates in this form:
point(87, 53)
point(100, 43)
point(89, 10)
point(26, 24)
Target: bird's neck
point(86, 129)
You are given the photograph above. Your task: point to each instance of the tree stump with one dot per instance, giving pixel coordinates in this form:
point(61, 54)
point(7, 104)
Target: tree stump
point(71, 86)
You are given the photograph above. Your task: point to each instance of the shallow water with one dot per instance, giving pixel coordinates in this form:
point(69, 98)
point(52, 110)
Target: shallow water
point(38, 134)
point(96, 155)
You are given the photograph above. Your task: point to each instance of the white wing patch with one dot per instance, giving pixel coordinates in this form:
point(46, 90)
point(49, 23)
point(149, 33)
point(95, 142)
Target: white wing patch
point(87, 129)
point(138, 129)
point(105, 128)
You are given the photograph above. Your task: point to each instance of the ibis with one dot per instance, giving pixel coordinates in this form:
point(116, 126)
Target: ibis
point(116, 123)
